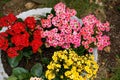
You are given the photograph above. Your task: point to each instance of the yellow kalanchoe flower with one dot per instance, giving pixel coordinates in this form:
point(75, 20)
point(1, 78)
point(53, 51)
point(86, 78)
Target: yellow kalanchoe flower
point(71, 66)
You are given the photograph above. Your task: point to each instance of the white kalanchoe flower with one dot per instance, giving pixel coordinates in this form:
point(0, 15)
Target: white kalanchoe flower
point(35, 78)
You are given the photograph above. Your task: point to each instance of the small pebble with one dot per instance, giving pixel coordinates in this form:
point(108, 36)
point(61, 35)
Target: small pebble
point(29, 5)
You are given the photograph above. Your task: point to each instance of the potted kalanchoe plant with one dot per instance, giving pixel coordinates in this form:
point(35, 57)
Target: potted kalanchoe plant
point(70, 41)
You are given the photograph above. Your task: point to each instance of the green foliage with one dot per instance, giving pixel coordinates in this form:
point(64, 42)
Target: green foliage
point(15, 61)
point(80, 50)
point(27, 53)
point(45, 60)
point(37, 70)
point(0, 28)
point(12, 78)
point(19, 20)
point(1, 14)
point(116, 70)
point(118, 8)
point(20, 73)
point(2, 2)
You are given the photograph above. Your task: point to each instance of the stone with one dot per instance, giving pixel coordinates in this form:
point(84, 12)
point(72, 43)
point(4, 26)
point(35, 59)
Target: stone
point(107, 49)
point(29, 5)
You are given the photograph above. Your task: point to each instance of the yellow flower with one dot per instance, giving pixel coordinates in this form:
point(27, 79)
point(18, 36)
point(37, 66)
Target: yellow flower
point(65, 66)
point(61, 77)
point(58, 65)
point(67, 73)
point(55, 58)
point(50, 75)
point(69, 62)
point(74, 66)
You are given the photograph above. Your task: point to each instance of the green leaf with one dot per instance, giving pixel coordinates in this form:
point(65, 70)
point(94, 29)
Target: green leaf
point(19, 20)
point(12, 77)
point(0, 28)
point(15, 61)
point(45, 60)
point(37, 70)
point(53, 12)
point(27, 53)
point(20, 73)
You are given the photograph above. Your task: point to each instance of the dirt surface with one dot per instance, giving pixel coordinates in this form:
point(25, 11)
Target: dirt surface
point(107, 61)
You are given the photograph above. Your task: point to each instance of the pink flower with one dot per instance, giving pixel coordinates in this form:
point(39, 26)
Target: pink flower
point(50, 16)
point(71, 12)
point(46, 23)
point(89, 20)
point(90, 50)
point(59, 8)
point(56, 21)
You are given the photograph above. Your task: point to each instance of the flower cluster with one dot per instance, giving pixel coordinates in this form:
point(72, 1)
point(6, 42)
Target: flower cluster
point(62, 29)
point(92, 33)
point(19, 35)
point(59, 28)
point(7, 20)
point(68, 65)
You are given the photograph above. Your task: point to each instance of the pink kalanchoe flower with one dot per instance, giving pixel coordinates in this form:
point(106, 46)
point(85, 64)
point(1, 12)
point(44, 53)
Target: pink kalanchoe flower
point(56, 21)
point(46, 23)
point(107, 26)
point(90, 50)
point(49, 16)
point(71, 12)
point(92, 33)
point(89, 20)
point(103, 41)
point(59, 8)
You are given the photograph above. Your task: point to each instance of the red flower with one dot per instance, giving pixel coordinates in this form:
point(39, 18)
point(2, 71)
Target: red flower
point(12, 52)
point(37, 34)
point(30, 22)
point(18, 27)
point(21, 40)
point(36, 44)
point(3, 21)
point(4, 34)
point(11, 18)
point(3, 43)
point(7, 20)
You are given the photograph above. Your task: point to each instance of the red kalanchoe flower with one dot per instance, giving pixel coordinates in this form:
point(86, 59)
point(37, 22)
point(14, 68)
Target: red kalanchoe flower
point(11, 18)
point(37, 34)
point(7, 20)
point(3, 43)
point(30, 22)
point(3, 21)
point(12, 52)
point(18, 27)
point(21, 40)
point(4, 34)
point(36, 44)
